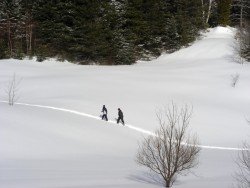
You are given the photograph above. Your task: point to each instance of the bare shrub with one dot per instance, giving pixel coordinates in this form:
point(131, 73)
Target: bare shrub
point(12, 89)
point(235, 79)
point(173, 150)
point(243, 162)
point(242, 46)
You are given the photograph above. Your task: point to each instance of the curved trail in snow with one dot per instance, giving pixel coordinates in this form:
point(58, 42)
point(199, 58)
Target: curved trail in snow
point(113, 122)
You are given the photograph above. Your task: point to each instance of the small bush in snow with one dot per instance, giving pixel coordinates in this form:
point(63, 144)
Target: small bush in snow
point(242, 176)
point(235, 79)
point(243, 162)
point(242, 46)
point(12, 89)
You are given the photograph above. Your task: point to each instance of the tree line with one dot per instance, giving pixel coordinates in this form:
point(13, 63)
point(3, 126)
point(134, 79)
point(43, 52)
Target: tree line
point(104, 31)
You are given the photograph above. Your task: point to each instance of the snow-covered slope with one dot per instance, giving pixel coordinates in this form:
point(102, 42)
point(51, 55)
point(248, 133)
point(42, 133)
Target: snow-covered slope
point(45, 147)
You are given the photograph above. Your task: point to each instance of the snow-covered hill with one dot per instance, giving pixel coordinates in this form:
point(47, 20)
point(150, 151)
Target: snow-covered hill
point(47, 147)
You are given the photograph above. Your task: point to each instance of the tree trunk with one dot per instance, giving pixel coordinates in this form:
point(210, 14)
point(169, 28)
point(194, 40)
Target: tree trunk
point(241, 14)
point(209, 11)
point(30, 39)
point(27, 38)
point(203, 10)
point(167, 184)
point(9, 38)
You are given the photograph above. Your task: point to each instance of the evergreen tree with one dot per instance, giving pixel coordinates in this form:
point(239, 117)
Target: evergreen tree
point(27, 23)
point(99, 31)
point(121, 49)
point(53, 26)
point(224, 7)
point(213, 21)
point(187, 20)
point(155, 15)
point(171, 38)
point(9, 12)
point(135, 25)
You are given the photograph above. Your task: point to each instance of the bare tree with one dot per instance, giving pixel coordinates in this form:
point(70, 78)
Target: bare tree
point(243, 162)
point(242, 14)
point(172, 151)
point(12, 89)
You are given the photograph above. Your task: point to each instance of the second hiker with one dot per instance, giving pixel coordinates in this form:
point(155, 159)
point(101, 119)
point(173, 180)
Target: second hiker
point(120, 116)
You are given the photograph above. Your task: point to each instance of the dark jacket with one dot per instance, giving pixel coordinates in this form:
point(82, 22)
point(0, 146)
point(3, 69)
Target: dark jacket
point(104, 110)
point(120, 114)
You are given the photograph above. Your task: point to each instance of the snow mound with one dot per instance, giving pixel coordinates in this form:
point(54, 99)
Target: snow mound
point(218, 31)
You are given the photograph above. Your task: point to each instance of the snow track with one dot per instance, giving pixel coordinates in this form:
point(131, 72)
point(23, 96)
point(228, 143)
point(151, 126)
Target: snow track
point(113, 122)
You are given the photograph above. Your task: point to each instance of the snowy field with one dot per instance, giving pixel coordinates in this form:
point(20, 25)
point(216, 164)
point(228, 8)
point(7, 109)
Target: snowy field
point(54, 138)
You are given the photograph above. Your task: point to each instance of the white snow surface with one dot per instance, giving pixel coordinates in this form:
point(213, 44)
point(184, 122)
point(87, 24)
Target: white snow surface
point(53, 137)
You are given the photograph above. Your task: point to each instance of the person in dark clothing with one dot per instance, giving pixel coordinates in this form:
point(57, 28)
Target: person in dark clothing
point(120, 116)
point(104, 113)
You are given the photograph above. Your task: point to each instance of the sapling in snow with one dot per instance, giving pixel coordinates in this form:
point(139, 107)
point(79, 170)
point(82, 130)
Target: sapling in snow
point(11, 89)
point(235, 79)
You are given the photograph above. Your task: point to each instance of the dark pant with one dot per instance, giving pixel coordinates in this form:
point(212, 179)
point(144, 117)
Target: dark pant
point(104, 116)
point(120, 119)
